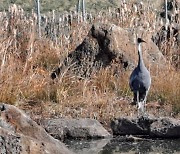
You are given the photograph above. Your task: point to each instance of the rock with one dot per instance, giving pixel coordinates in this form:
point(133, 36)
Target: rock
point(20, 134)
point(131, 126)
point(9, 143)
point(105, 45)
point(20, 144)
point(165, 128)
point(151, 127)
point(75, 128)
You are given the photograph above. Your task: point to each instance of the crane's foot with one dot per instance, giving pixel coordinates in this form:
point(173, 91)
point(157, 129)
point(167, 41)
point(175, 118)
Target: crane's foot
point(145, 115)
point(141, 110)
point(142, 116)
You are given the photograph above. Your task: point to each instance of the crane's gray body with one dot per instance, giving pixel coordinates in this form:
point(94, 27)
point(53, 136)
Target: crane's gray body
point(140, 81)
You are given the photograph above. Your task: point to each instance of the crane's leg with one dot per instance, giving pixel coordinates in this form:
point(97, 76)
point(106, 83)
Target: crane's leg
point(137, 98)
point(138, 104)
point(144, 102)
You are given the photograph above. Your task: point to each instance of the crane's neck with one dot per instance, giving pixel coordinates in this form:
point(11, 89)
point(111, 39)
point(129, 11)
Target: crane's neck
point(140, 62)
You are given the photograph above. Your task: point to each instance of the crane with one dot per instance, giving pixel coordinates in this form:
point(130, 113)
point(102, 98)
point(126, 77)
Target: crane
point(140, 81)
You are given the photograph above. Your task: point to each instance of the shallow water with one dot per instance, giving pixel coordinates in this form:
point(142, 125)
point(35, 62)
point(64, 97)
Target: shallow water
point(114, 146)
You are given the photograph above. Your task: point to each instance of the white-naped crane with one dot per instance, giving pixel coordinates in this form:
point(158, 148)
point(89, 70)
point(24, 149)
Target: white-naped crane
point(140, 81)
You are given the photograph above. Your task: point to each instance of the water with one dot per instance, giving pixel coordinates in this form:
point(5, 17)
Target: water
point(115, 146)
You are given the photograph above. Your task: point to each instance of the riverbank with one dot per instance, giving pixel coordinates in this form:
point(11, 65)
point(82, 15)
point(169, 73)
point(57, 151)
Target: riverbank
point(27, 63)
point(68, 136)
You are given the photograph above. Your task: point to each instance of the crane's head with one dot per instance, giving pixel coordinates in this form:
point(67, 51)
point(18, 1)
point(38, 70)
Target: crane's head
point(139, 40)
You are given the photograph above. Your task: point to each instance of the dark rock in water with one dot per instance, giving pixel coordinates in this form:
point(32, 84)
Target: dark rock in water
point(75, 128)
point(20, 134)
point(151, 127)
point(165, 128)
point(106, 45)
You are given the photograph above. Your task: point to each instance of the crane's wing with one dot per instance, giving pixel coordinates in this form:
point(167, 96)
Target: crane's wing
point(140, 81)
point(133, 77)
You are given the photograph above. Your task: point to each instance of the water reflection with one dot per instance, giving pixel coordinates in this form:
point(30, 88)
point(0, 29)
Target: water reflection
point(115, 146)
point(87, 146)
point(147, 146)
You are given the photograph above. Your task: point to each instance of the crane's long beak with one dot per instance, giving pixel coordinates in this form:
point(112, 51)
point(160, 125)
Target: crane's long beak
point(139, 40)
point(143, 41)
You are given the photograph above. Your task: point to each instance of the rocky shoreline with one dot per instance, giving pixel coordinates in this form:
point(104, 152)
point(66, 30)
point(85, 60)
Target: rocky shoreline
point(20, 134)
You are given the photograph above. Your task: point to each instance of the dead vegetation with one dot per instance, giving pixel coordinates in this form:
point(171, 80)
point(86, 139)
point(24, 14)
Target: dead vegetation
point(27, 61)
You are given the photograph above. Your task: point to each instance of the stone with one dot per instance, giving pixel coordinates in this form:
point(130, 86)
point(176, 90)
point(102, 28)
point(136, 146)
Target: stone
point(9, 143)
point(75, 128)
point(20, 134)
point(131, 126)
point(20, 144)
point(108, 45)
point(163, 127)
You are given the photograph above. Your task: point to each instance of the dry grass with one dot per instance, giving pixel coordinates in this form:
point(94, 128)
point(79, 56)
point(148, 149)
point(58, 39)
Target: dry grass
point(26, 63)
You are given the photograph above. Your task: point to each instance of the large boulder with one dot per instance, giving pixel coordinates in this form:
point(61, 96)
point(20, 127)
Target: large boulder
point(75, 128)
point(15, 143)
point(108, 44)
point(20, 134)
point(163, 127)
